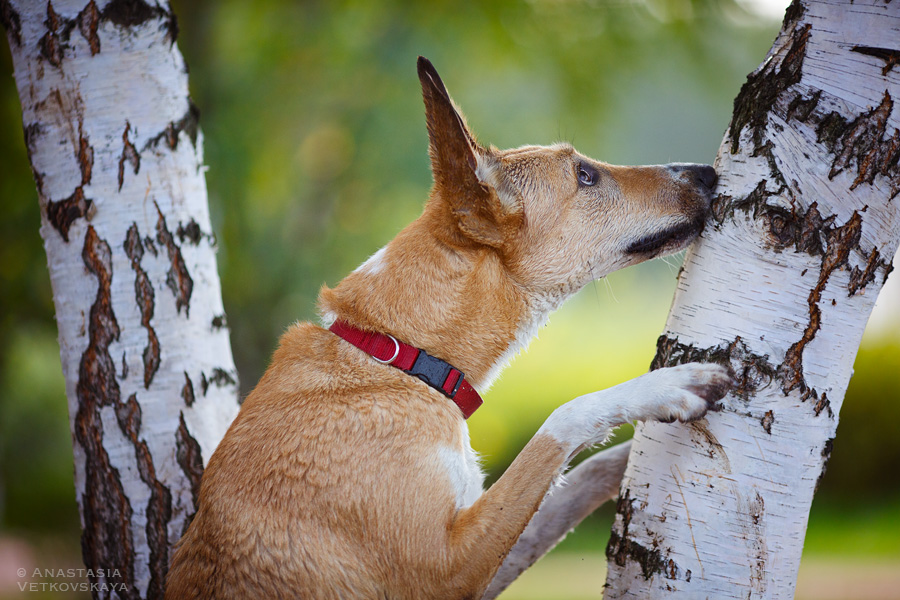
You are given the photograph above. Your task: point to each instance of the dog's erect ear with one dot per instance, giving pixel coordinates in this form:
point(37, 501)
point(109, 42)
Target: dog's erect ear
point(455, 157)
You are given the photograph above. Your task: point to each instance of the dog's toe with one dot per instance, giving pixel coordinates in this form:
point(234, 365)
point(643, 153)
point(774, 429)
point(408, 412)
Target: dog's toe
point(713, 384)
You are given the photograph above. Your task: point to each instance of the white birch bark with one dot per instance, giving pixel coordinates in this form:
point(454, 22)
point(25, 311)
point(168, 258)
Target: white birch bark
point(117, 158)
point(780, 288)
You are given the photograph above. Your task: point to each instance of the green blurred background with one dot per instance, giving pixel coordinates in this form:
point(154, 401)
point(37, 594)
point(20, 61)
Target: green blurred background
point(317, 149)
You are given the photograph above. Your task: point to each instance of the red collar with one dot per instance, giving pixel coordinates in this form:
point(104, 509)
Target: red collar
point(438, 374)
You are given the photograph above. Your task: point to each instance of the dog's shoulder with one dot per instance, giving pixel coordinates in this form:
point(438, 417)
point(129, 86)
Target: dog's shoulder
point(320, 385)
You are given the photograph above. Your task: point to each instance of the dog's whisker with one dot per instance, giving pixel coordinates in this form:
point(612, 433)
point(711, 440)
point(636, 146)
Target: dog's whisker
point(594, 285)
point(669, 264)
point(610, 291)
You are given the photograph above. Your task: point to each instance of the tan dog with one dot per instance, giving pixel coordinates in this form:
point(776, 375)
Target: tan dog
point(345, 477)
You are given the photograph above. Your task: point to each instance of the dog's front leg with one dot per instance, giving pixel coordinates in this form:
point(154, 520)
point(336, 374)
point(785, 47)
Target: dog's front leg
point(586, 487)
point(485, 532)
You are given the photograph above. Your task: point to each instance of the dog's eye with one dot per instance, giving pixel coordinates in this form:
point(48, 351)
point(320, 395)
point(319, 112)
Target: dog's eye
point(587, 175)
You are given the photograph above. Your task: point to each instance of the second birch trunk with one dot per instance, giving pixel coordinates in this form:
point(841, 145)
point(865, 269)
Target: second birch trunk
point(780, 288)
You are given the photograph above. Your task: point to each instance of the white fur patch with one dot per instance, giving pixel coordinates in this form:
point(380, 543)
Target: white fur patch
point(584, 421)
point(537, 316)
point(488, 172)
point(374, 264)
point(328, 318)
point(485, 170)
point(464, 472)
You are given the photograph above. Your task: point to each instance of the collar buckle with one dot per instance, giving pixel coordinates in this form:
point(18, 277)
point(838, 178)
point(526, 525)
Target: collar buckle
point(431, 370)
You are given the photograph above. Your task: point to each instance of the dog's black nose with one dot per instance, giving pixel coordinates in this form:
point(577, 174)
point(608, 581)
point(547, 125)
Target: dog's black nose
point(707, 175)
point(704, 174)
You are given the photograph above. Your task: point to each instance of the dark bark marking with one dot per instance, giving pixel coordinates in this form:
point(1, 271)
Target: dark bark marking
point(793, 14)
point(864, 141)
point(124, 367)
point(753, 372)
point(172, 31)
point(178, 279)
point(704, 438)
point(144, 297)
point(827, 448)
point(189, 123)
point(840, 241)
point(63, 213)
point(130, 13)
point(88, 21)
point(723, 207)
point(220, 377)
point(890, 57)
point(767, 421)
point(59, 30)
point(50, 44)
point(190, 458)
point(621, 548)
point(860, 278)
point(822, 404)
point(32, 131)
point(819, 404)
point(159, 507)
point(85, 156)
point(130, 154)
point(220, 321)
point(804, 232)
point(190, 231)
point(829, 128)
point(10, 20)
point(106, 541)
point(150, 245)
point(756, 510)
point(187, 391)
point(801, 108)
point(767, 152)
point(762, 89)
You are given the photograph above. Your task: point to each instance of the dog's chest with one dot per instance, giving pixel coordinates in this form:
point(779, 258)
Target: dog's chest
point(463, 471)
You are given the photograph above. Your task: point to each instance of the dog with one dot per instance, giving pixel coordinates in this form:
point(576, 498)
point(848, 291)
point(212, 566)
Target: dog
point(348, 472)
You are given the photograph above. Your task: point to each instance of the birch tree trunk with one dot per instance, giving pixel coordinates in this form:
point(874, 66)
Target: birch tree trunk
point(117, 158)
point(806, 222)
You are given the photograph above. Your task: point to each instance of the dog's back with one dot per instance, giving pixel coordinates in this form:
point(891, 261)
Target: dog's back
point(285, 508)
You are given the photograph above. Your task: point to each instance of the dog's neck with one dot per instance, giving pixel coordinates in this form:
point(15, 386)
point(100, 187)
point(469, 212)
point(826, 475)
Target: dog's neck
point(454, 300)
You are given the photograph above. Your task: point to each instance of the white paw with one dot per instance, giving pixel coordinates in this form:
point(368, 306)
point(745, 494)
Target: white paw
point(683, 393)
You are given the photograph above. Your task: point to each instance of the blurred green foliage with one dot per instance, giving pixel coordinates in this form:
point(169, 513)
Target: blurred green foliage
point(317, 149)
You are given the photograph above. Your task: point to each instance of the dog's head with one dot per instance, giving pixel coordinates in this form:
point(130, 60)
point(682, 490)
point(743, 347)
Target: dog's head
point(557, 218)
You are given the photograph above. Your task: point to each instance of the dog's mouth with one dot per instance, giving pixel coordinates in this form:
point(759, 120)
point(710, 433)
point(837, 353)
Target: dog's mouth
point(672, 239)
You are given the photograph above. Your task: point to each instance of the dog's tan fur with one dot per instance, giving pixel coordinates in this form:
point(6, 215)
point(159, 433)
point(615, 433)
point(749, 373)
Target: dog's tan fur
point(331, 482)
